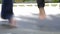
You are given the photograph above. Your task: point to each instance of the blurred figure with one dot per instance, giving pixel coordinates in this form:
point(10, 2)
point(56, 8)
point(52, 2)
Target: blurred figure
point(41, 4)
point(7, 11)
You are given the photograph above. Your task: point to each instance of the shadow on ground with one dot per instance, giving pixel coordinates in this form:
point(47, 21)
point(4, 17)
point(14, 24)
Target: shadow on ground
point(50, 24)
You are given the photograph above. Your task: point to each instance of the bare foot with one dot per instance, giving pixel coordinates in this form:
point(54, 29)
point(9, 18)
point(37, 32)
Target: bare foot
point(42, 14)
point(12, 22)
point(42, 17)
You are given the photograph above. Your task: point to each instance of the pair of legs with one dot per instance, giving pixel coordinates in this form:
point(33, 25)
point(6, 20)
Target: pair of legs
point(7, 11)
point(41, 5)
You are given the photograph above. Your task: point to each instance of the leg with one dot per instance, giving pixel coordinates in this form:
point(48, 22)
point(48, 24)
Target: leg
point(7, 11)
point(12, 22)
point(41, 5)
point(42, 14)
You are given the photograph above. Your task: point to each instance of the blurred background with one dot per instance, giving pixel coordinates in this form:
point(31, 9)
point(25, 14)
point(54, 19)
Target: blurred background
point(34, 1)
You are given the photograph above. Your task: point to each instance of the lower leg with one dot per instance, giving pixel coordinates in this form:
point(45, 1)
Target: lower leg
point(42, 14)
point(12, 22)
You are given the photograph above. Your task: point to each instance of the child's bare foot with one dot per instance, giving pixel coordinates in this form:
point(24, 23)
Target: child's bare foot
point(42, 14)
point(12, 22)
point(42, 17)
